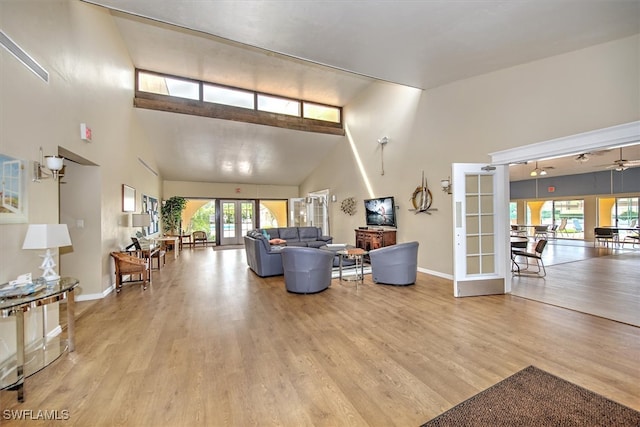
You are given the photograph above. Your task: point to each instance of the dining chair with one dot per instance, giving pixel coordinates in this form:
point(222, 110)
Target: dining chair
point(605, 234)
point(541, 232)
point(535, 255)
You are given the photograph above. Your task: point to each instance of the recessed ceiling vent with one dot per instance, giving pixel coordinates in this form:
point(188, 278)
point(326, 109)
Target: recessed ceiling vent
point(23, 57)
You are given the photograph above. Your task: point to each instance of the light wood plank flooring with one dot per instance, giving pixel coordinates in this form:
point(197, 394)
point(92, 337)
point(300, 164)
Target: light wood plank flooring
point(210, 343)
point(602, 281)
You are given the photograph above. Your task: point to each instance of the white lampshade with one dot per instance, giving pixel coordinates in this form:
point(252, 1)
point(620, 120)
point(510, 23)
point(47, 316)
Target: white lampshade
point(44, 236)
point(141, 220)
point(54, 163)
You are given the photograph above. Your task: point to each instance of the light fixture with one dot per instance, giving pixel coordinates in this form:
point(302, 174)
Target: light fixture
point(537, 171)
point(382, 141)
point(47, 236)
point(334, 198)
point(446, 185)
point(47, 167)
point(308, 200)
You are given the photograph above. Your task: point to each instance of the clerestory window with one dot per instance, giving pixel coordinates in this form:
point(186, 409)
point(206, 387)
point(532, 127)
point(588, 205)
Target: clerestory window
point(208, 92)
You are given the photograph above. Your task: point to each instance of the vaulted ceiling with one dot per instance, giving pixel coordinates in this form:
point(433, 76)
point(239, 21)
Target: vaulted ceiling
point(328, 52)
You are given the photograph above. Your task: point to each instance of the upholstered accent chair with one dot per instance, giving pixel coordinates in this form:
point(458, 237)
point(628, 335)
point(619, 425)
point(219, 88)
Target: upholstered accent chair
point(138, 269)
point(306, 270)
point(395, 264)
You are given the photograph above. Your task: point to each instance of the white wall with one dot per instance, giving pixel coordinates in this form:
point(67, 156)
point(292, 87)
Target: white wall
point(227, 190)
point(567, 94)
point(91, 81)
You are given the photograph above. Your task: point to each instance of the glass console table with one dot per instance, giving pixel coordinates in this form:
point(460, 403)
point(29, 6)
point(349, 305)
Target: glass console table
point(43, 351)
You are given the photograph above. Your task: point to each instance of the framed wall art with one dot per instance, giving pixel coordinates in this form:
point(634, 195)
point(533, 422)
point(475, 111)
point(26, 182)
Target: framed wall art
point(150, 205)
point(13, 190)
point(128, 198)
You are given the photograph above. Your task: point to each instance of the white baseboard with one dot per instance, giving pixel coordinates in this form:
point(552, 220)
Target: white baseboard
point(91, 297)
point(435, 273)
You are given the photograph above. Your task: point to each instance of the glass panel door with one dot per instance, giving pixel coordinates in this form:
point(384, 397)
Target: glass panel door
point(237, 218)
point(481, 229)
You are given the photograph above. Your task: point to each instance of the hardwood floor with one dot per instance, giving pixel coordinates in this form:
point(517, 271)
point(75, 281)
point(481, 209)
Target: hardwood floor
point(602, 281)
point(210, 343)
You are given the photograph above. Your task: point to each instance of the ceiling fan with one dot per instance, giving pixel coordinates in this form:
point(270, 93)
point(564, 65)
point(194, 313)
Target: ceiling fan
point(582, 158)
point(623, 164)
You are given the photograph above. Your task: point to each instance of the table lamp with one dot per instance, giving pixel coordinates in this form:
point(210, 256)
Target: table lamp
point(47, 236)
point(141, 220)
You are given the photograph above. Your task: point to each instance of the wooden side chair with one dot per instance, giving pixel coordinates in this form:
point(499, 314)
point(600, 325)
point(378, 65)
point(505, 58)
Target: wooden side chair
point(138, 270)
point(199, 237)
point(150, 253)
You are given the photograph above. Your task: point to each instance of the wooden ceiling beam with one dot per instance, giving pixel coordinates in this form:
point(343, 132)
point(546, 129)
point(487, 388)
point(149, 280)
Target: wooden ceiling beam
point(217, 111)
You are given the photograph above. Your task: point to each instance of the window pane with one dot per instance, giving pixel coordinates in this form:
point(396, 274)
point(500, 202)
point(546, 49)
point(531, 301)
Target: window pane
point(162, 85)
point(278, 105)
point(227, 96)
point(321, 112)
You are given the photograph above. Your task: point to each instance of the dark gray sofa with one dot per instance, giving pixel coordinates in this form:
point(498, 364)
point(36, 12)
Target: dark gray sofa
point(298, 236)
point(265, 259)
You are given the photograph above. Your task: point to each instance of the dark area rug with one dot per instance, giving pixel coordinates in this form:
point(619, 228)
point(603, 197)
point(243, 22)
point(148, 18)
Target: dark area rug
point(533, 397)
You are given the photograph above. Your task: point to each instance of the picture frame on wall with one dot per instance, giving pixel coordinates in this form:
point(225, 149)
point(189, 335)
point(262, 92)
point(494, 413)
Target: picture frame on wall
point(13, 190)
point(128, 198)
point(151, 206)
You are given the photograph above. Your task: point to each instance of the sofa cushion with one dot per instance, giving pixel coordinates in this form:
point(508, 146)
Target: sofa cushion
point(308, 233)
point(289, 234)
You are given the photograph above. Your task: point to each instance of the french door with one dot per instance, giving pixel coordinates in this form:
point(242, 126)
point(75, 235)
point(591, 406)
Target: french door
point(237, 217)
point(481, 223)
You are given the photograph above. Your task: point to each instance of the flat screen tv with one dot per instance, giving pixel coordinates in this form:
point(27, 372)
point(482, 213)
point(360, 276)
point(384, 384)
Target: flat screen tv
point(380, 212)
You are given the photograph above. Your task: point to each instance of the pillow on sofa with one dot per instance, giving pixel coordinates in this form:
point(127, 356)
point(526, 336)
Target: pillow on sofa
point(266, 235)
point(277, 241)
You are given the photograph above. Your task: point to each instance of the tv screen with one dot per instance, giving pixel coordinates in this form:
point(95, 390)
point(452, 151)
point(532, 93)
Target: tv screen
point(380, 212)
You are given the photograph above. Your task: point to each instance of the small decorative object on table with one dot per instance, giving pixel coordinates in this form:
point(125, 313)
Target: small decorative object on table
point(22, 286)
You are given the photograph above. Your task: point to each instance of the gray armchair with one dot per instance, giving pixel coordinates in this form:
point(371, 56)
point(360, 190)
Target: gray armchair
point(306, 270)
point(395, 264)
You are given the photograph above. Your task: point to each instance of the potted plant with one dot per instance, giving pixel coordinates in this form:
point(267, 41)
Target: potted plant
point(171, 212)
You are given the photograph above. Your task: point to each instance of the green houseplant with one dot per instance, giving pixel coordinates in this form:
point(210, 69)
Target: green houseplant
point(171, 212)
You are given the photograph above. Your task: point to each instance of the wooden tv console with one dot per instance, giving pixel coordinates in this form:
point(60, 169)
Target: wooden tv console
point(373, 239)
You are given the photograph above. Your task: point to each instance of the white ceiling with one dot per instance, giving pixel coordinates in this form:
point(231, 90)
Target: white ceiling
point(418, 43)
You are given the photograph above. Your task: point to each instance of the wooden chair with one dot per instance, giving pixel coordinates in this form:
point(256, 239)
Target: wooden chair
point(150, 253)
point(536, 255)
point(129, 265)
point(199, 237)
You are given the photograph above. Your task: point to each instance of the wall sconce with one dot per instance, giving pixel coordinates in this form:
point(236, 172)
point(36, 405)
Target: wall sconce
point(446, 185)
point(308, 200)
point(47, 167)
point(334, 198)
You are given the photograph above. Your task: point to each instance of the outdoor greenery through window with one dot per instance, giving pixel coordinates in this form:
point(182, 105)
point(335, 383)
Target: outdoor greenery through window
point(178, 87)
point(567, 214)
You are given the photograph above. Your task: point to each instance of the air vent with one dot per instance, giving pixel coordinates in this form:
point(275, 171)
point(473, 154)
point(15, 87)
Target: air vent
point(23, 57)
